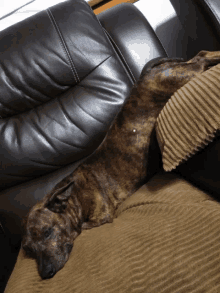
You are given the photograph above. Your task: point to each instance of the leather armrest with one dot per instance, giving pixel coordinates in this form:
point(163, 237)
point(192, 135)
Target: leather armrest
point(132, 36)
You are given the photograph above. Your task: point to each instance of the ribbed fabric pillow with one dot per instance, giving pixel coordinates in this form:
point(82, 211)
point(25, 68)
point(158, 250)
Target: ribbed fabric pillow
point(190, 119)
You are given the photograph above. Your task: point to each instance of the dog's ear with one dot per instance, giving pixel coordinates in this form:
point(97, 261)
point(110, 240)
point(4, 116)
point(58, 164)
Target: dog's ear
point(23, 226)
point(58, 197)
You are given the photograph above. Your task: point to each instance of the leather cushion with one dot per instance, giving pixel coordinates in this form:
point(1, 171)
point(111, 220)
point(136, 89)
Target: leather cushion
point(61, 85)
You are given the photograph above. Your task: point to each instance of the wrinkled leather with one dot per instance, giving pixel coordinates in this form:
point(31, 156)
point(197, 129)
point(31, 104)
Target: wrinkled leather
point(61, 85)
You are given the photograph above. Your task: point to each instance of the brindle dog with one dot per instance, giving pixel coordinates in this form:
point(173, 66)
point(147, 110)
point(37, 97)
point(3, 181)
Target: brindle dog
point(89, 196)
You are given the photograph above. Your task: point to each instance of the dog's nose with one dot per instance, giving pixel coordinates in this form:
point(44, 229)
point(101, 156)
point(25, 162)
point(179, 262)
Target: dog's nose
point(48, 273)
point(45, 267)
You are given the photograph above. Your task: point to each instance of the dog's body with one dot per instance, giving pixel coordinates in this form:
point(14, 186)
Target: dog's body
point(90, 195)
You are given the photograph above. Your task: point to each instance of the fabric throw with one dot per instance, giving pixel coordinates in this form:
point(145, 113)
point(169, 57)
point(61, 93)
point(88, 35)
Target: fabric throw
point(190, 119)
point(165, 239)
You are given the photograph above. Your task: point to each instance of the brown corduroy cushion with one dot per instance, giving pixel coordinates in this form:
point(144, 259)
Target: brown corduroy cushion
point(166, 238)
point(190, 119)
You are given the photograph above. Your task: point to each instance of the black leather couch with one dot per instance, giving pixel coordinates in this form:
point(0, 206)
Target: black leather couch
point(64, 76)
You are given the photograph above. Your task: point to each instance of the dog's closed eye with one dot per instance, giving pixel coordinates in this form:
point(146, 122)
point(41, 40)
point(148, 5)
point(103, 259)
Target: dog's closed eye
point(69, 247)
point(29, 251)
point(47, 233)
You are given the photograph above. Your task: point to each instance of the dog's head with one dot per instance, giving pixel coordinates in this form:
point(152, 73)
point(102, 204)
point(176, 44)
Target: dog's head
point(49, 230)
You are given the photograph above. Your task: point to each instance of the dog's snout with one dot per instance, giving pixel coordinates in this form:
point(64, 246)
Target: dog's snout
point(48, 272)
point(45, 267)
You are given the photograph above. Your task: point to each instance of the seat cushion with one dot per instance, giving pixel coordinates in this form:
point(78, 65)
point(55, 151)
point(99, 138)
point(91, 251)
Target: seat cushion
point(165, 238)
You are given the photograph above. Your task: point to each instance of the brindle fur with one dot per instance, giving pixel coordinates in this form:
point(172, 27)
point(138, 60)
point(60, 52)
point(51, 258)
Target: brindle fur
point(90, 195)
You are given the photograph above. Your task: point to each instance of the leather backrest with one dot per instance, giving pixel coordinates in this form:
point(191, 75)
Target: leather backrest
point(61, 85)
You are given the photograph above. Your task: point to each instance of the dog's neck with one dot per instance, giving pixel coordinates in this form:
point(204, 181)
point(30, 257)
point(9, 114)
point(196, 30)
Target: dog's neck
point(74, 211)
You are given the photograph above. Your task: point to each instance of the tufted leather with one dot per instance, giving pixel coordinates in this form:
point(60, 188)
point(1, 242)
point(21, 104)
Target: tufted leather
point(61, 85)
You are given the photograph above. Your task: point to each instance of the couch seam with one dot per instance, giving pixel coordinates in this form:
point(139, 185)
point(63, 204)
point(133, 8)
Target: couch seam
point(121, 55)
point(112, 42)
point(63, 44)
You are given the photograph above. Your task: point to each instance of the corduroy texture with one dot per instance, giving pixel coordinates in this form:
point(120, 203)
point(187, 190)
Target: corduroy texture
point(190, 119)
point(166, 238)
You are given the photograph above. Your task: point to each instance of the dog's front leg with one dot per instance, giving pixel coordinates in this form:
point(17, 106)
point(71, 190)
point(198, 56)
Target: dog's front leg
point(101, 211)
point(90, 224)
